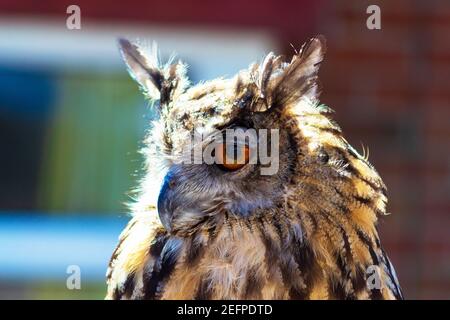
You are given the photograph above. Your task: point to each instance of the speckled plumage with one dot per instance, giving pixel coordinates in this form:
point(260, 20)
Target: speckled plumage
point(307, 232)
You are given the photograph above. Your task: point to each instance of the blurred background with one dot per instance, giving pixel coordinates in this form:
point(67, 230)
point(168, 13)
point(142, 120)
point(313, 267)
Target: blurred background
point(72, 121)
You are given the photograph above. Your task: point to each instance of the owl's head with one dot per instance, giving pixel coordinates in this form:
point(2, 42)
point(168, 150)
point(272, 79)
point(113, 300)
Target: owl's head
point(289, 146)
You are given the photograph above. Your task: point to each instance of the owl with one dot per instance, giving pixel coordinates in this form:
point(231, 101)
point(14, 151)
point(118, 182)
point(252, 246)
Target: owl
point(227, 230)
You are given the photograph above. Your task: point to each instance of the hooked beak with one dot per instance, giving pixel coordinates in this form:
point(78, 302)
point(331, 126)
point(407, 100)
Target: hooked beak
point(165, 197)
point(177, 210)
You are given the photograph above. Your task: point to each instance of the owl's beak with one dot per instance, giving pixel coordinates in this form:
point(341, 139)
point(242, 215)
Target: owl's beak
point(165, 203)
point(177, 208)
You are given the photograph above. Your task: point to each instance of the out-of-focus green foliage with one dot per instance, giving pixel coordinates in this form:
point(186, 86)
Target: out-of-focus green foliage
point(58, 291)
point(91, 157)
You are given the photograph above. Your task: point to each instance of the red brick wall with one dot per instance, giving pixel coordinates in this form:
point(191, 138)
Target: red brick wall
point(391, 90)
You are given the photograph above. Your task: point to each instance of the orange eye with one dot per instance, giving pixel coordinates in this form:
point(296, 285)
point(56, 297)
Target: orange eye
point(232, 157)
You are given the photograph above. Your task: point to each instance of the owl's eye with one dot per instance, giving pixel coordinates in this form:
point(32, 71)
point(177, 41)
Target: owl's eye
point(232, 157)
point(324, 157)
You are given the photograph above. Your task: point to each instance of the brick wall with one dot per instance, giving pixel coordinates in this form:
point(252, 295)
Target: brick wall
point(391, 90)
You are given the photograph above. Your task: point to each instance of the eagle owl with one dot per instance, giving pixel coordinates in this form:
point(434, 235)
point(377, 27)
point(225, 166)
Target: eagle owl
point(226, 231)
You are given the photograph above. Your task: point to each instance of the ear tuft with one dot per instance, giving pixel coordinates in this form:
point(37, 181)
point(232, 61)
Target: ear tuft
point(314, 50)
point(143, 68)
point(158, 82)
point(299, 79)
